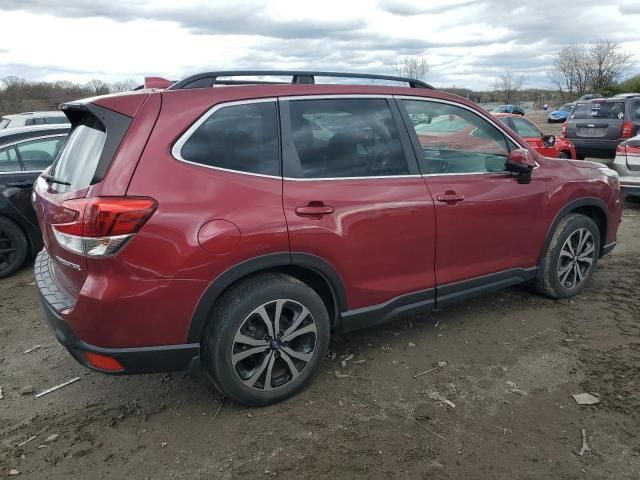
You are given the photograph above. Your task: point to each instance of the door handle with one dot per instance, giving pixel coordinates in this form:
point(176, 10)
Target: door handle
point(450, 197)
point(314, 209)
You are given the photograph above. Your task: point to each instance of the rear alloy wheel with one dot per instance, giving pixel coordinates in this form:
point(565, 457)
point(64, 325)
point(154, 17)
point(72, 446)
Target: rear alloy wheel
point(13, 247)
point(562, 155)
point(266, 339)
point(571, 257)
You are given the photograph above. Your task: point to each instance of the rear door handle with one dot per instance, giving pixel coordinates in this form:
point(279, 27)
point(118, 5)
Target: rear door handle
point(314, 209)
point(450, 197)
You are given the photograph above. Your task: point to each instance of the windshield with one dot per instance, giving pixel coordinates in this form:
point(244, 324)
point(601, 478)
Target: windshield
point(501, 109)
point(79, 158)
point(565, 108)
point(597, 110)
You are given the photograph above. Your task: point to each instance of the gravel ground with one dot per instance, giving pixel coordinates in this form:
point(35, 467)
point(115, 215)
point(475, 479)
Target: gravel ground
point(496, 405)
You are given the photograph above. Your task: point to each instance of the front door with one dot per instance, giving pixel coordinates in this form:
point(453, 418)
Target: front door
point(354, 197)
point(488, 224)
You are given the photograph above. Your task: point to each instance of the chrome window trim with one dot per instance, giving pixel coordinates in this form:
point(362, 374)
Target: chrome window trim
point(14, 172)
point(24, 140)
point(177, 146)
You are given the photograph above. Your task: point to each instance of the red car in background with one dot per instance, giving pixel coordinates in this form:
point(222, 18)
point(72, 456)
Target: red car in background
point(547, 145)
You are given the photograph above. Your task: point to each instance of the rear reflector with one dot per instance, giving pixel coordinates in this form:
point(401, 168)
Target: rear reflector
point(100, 226)
point(627, 130)
point(102, 362)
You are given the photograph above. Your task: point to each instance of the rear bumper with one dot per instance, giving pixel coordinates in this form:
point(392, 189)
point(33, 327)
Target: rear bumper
point(595, 147)
point(630, 188)
point(162, 358)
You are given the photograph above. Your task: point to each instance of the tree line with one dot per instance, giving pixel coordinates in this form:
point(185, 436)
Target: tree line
point(19, 95)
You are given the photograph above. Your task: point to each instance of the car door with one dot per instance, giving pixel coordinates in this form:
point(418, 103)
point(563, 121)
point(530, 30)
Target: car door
point(353, 196)
point(490, 228)
point(32, 156)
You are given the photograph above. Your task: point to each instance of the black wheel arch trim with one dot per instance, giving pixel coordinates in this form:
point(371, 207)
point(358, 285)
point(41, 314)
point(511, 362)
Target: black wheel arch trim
point(566, 210)
point(257, 265)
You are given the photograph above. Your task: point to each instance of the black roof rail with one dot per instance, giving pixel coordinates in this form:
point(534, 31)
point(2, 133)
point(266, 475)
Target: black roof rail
point(209, 79)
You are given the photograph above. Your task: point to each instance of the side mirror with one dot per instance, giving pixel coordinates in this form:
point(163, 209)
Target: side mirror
point(522, 163)
point(549, 140)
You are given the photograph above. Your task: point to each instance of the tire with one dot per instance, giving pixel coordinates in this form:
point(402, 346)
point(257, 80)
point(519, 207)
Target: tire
point(563, 274)
point(563, 155)
point(288, 360)
point(13, 247)
point(579, 157)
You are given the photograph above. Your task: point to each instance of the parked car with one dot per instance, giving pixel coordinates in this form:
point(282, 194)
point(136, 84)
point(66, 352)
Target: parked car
point(597, 127)
point(508, 109)
point(627, 164)
point(237, 227)
point(29, 119)
point(547, 145)
point(24, 153)
point(561, 114)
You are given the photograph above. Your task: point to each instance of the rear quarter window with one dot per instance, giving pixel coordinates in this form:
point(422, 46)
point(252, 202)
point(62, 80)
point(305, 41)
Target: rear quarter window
point(242, 138)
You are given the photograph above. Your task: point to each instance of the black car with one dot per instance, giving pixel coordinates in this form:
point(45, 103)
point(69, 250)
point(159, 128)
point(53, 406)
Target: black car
point(597, 127)
point(24, 153)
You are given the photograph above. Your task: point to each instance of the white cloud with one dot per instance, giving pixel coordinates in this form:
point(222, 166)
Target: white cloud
point(468, 43)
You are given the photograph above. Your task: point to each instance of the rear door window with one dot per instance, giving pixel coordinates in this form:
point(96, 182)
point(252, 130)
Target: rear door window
point(9, 160)
point(242, 138)
point(39, 154)
point(599, 110)
point(55, 120)
point(343, 138)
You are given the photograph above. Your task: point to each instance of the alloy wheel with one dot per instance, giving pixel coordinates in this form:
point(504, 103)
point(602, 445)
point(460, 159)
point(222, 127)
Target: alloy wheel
point(576, 258)
point(274, 344)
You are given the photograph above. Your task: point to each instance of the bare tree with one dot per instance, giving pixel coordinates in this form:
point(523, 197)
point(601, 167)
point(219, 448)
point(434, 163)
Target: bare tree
point(123, 85)
point(597, 66)
point(507, 85)
point(413, 67)
point(98, 87)
point(608, 62)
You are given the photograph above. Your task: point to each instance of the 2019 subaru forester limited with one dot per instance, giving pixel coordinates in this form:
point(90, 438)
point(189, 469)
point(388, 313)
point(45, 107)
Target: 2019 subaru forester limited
point(238, 225)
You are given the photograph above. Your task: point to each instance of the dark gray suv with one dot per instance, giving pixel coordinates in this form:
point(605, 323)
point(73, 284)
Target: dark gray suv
point(596, 127)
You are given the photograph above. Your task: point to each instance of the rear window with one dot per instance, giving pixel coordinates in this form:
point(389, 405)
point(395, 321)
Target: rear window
point(599, 110)
point(243, 138)
point(79, 158)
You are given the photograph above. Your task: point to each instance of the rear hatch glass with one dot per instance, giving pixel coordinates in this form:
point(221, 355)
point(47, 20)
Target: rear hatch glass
point(597, 120)
point(78, 160)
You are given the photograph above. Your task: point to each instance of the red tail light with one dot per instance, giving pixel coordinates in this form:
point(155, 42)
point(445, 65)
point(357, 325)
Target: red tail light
point(564, 130)
point(627, 130)
point(100, 226)
point(621, 150)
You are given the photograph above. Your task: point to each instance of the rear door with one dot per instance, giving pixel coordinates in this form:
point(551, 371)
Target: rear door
point(597, 120)
point(354, 197)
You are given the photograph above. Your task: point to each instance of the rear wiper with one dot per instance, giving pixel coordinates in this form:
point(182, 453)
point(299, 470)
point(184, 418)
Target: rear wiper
point(52, 179)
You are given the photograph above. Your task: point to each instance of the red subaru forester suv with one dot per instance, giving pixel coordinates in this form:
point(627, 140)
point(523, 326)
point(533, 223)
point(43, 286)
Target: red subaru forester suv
point(235, 223)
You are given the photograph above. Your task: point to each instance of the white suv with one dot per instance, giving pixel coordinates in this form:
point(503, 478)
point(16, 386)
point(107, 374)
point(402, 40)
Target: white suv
point(32, 118)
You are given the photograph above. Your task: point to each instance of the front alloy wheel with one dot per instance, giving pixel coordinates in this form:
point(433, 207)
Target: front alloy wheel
point(576, 258)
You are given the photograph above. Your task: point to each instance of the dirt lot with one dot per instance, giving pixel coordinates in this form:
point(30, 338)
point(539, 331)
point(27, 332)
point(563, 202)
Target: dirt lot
point(499, 408)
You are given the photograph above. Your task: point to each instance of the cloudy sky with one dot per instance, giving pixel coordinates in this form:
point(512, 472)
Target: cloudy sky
point(467, 42)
